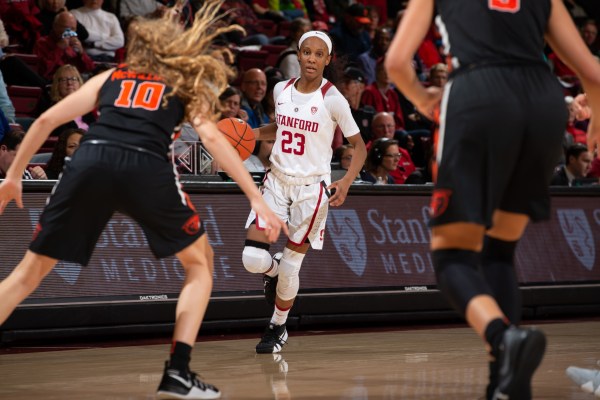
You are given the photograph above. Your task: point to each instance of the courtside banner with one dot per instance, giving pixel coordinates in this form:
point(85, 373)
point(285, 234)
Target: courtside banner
point(371, 243)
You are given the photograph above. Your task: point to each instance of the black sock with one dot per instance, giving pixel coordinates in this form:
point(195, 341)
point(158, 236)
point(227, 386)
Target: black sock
point(493, 335)
point(180, 356)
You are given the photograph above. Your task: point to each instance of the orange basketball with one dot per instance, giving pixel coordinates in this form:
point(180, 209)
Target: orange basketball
point(239, 134)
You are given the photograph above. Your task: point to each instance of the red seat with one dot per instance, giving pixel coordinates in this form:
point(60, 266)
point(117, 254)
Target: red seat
point(284, 28)
point(48, 146)
point(31, 60)
point(252, 59)
point(25, 99)
point(267, 27)
point(274, 51)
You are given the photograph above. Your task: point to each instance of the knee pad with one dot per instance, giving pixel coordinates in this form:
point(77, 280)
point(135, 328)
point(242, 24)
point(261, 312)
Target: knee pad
point(256, 260)
point(458, 278)
point(289, 271)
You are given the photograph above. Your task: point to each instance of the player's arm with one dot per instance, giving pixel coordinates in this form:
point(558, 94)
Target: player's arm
point(409, 35)
point(565, 40)
point(76, 104)
point(218, 146)
point(266, 132)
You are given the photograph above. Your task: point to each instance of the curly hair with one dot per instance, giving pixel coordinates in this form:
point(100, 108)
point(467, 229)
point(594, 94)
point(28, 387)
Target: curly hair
point(182, 57)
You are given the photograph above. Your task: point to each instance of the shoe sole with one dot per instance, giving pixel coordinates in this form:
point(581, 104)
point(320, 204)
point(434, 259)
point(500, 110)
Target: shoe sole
point(172, 396)
point(529, 358)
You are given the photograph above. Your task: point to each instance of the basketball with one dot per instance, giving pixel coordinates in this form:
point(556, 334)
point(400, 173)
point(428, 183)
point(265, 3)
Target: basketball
point(239, 134)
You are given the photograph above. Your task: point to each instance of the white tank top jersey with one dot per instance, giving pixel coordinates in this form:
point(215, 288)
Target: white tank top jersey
point(306, 123)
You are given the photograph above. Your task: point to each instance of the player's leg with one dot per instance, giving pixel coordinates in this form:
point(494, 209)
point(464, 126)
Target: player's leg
point(22, 281)
point(178, 380)
point(288, 283)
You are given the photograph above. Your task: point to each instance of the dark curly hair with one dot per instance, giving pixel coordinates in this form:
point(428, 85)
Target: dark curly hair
point(57, 160)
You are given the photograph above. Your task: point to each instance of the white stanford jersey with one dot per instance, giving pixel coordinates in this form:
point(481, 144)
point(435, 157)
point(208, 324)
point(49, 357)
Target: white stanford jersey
point(305, 127)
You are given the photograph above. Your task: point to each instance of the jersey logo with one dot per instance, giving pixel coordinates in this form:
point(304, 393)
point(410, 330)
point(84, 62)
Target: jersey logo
point(439, 202)
point(313, 110)
point(192, 225)
point(511, 6)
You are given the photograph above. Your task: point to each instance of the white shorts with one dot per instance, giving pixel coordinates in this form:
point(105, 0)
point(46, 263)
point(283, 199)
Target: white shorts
point(301, 202)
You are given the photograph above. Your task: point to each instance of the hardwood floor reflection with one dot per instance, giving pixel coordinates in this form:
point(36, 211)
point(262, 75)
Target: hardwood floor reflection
point(413, 364)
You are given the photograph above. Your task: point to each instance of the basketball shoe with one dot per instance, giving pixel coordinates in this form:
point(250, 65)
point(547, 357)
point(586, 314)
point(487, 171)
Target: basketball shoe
point(521, 352)
point(184, 385)
point(273, 339)
point(587, 379)
point(270, 283)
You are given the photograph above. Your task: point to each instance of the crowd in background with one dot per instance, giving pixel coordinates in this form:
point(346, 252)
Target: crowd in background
point(71, 40)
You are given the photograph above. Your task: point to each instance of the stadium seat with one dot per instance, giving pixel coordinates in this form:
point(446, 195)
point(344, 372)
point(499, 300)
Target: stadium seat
point(267, 27)
point(252, 59)
point(274, 50)
point(31, 60)
point(25, 99)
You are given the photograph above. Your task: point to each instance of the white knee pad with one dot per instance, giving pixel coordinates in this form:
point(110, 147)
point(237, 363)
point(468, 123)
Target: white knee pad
point(255, 260)
point(289, 271)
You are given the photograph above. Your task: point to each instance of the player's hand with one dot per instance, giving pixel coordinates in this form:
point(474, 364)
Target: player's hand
point(430, 101)
point(10, 189)
point(581, 108)
point(339, 191)
point(273, 225)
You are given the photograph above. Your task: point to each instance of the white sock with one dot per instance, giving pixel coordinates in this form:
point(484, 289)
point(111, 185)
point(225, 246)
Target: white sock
point(280, 316)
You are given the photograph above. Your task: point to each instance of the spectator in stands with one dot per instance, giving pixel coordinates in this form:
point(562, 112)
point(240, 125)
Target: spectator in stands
point(578, 163)
point(438, 75)
point(9, 145)
point(239, 12)
point(368, 59)
point(577, 135)
point(268, 102)
point(383, 127)
point(68, 142)
point(105, 34)
point(382, 160)
point(382, 96)
point(589, 33)
point(6, 105)
point(288, 59)
point(49, 10)
point(62, 46)
point(67, 80)
point(21, 22)
point(129, 9)
point(254, 88)
point(349, 36)
point(231, 104)
point(259, 160)
point(373, 14)
point(4, 40)
point(343, 154)
point(352, 86)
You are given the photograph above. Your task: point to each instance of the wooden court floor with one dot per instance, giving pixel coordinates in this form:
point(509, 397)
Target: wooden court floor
point(420, 363)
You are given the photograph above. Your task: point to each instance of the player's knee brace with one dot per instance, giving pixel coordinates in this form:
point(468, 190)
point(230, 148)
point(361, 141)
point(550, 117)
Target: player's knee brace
point(256, 257)
point(458, 278)
point(289, 271)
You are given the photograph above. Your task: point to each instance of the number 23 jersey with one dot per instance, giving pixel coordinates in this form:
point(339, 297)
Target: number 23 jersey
point(306, 124)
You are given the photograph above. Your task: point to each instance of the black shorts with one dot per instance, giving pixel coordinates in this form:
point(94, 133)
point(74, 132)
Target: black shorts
point(500, 139)
point(102, 179)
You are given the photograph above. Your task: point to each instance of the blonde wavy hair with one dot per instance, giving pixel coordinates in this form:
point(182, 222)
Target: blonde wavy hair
point(181, 57)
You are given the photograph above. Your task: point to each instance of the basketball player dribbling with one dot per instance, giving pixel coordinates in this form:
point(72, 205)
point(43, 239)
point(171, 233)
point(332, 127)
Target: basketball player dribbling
point(122, 165)
point(298, 186)
point(502, 119)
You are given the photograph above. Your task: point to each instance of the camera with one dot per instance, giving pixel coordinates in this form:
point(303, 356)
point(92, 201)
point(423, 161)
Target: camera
point(69, 33)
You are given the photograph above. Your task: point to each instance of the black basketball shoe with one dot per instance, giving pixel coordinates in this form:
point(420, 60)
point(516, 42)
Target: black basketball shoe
point(273, 339)
point(521, 352)
point(184, 385)
point(270, 283)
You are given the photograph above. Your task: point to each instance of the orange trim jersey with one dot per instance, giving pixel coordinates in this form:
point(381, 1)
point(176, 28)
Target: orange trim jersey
point(133, 103)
